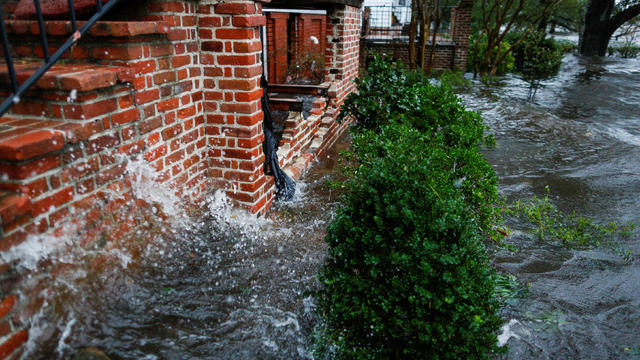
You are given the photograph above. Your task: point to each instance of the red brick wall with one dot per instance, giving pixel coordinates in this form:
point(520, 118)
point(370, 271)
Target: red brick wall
point(187, 102)
point(343, 51)
point(231, 59)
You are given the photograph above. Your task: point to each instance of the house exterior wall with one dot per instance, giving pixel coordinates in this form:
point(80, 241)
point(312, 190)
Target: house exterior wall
point(186, 103)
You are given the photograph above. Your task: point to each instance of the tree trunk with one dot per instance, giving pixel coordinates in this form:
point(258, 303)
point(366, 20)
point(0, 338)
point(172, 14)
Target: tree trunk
point(412, 34)
point(595, 40)
point(600, 23)
point(596, 35)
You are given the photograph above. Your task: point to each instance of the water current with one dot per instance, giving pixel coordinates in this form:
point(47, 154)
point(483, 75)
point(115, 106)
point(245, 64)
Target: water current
point(227, 285)
point(580, 136)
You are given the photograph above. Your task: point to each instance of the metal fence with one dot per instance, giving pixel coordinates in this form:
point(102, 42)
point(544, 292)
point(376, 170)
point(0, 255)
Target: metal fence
point(49, 59)
point(392, 22)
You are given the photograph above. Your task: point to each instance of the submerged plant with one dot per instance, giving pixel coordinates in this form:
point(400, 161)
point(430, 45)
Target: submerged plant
point(550, 223)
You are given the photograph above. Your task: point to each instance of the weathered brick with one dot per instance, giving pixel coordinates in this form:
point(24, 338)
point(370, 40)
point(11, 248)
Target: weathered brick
point(12, 343)
point(53, 201)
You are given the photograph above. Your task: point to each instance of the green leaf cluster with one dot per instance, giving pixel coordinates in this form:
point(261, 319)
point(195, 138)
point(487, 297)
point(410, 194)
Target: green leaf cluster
point(537, 57)
point(550, 223)
point(407, 275)
point(625, 51)
point(478, 47)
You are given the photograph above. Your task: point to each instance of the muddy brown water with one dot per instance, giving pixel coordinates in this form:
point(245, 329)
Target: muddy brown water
point(226, 285)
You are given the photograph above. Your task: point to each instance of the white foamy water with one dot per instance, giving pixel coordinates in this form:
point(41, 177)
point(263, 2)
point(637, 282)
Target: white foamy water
point(624, 136)
point(507, 332)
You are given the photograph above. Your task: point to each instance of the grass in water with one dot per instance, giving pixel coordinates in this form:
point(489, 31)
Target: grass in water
point(549, 223)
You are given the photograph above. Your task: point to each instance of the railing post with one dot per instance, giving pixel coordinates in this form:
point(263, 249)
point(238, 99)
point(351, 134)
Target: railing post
point(72, 9)
point(50, 60)
point(43, 33)
point(7, 54)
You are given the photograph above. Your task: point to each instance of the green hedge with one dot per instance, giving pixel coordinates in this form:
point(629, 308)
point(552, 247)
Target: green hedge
point(537, 56)
point(407, 276)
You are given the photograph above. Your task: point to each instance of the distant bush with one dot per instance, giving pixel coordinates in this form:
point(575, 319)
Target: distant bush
point(626, 51)
point(478, 51)
point(454, 79)
point(407, 276)
point(537, 57)
point(567, 46)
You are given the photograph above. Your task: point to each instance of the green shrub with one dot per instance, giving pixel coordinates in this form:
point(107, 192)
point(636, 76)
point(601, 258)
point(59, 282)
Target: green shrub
point(537, 57)
point(407, 276)
point(626, 51)
point(436, 111)
point(478, 51)
point(454, 79)
point(567, 46)
point(385, 92)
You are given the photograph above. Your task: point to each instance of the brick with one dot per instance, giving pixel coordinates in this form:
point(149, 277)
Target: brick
point(171, 132)
point(125, 117)
point(145, 67)
point(249, 21)
point(53, 201)
point(7, 305)
point(238, 84)
point(214, 46)
point(164, 77)
point(248, 96)
point(169, 104)
point(156, 153)
point(147, 96)
point(13, 343)
point(180, 61)
point(175, 157)
point(235, 8)
point(133, 148)
point(186, 112)
point(127, 52)
point(110, 174)
point(88, 80)
point(248, 72)
point(30, 169)
point(247, 47)
point(235, 34)
point(210, 21)
point(237, 59)
point(160, 50)
point(170, 7)
point(31, 144)
point(80, 170)
point(88, 111)
point(101, 143)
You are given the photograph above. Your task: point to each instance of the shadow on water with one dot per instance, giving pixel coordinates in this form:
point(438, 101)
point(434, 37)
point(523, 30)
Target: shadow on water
point(223, 285)
point(581, 137)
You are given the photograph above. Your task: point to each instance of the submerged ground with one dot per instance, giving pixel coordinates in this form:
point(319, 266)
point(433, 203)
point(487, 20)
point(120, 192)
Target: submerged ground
point(581, 138)
point(227, 285)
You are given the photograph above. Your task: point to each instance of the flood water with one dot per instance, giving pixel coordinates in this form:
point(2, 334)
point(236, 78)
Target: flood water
point(221, 285)
point(580, 137)
point(227, 285)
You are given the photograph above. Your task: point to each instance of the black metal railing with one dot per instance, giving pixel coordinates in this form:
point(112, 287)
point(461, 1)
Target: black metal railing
point(392, 22)
point(49, 59)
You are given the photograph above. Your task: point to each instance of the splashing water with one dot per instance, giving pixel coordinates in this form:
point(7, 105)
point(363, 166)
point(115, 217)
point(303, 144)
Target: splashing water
point(224, 284)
